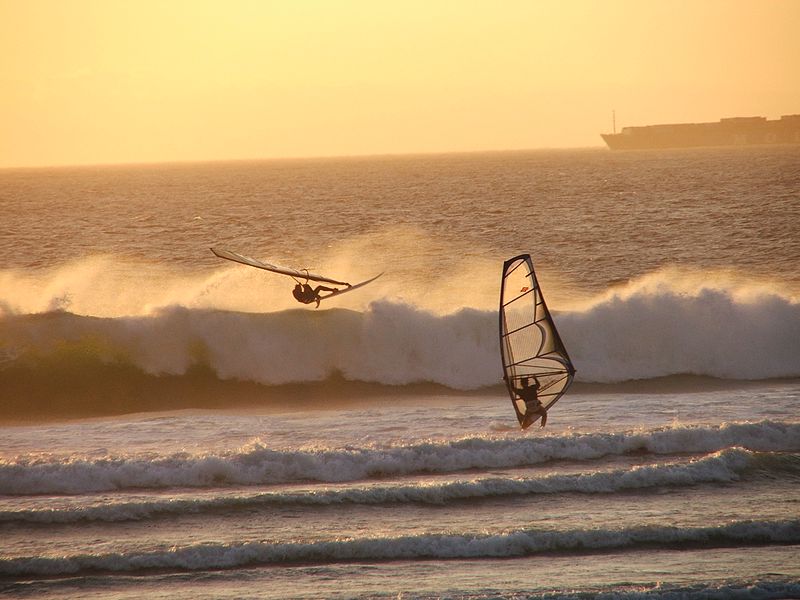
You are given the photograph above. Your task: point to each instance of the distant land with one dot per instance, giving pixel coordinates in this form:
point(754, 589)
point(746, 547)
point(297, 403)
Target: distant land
point(736, 131)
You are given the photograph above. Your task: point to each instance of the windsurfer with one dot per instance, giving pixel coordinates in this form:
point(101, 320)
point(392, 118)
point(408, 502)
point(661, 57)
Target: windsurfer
point(533, 406)
point(305, 294)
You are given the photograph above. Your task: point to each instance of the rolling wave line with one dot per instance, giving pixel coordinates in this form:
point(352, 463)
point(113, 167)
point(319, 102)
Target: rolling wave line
point(258, 464)
point(720, 467)
point(525, 542)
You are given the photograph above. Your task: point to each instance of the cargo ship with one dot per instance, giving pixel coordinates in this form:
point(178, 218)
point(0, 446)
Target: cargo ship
point(736, 131)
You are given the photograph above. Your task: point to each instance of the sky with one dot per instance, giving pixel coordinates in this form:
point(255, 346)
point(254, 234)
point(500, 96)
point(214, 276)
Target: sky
point(113, 81)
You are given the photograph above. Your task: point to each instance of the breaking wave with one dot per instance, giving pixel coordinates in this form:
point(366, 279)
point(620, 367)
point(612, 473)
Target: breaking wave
point(719, 467)
point(258, 464)
point(525, 542)
point(641, 335)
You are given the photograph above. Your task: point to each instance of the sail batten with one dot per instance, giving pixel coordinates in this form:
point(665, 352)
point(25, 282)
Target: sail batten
point(527, 330)
point(519, 329)
point(526, 361)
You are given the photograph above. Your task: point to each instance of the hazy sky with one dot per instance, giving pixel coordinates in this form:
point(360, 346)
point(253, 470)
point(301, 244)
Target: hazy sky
point(111, 81)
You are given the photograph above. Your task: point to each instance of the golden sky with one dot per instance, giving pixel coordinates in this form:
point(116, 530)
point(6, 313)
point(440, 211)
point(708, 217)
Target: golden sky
point(109, 81)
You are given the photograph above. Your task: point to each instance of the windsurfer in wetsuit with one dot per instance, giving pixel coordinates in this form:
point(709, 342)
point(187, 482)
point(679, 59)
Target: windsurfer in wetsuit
point(305, 294)
point(533, 406)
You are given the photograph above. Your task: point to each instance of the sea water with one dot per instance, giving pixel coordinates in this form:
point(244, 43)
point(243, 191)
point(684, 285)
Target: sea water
point(177, 426)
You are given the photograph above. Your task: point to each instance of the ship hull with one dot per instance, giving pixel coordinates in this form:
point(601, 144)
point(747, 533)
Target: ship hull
point(747, 131)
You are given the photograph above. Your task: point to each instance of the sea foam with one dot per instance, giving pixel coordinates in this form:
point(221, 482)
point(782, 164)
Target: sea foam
point(718, 467)
point(524, 542)
point(644, 334)
point(258, 464)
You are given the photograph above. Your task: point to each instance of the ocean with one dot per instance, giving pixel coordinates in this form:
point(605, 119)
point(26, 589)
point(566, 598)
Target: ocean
point(173, 425)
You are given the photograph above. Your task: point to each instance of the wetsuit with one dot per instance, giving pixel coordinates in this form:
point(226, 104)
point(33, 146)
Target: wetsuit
point(533, 406)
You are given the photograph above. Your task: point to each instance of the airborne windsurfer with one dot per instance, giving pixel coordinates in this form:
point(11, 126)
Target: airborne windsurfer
point(533, 406)
point(302, 292)
point(305, 294)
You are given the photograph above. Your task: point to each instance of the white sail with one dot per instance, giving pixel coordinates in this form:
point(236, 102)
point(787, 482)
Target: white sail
point(530, 346)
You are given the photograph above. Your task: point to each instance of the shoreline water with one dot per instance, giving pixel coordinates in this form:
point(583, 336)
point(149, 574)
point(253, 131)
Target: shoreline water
point(105, 394)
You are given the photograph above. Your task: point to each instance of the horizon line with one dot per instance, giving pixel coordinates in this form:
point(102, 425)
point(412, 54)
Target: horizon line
point(180, 161)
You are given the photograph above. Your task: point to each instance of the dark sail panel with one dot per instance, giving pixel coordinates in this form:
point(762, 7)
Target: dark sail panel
point(531, 349)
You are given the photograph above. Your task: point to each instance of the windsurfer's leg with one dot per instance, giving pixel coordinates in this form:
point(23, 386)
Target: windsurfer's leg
point(322, 288)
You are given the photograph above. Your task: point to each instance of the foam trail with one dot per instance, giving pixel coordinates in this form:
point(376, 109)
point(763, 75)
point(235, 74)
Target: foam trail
point(524, 542)
point(257, 464)
point(719, 467)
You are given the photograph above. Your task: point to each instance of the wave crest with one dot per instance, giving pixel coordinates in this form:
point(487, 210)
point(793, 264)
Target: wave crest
point(725, 466)
point(258, 464)
point(641, 335)
point(525, 542)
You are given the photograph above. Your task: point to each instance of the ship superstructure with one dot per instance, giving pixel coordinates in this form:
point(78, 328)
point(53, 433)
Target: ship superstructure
point(736, 131)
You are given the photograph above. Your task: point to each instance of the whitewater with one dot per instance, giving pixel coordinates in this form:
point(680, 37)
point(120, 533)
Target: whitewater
point(646, 330)
point(172, 425)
